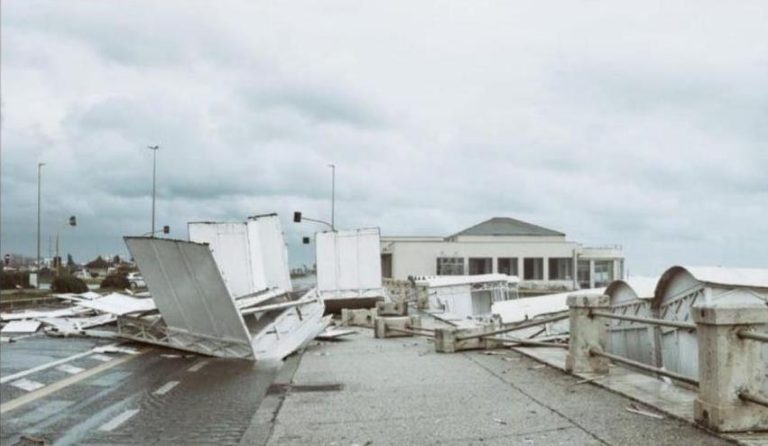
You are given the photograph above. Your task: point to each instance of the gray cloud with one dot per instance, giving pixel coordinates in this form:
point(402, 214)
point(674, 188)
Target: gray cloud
point(621, 123)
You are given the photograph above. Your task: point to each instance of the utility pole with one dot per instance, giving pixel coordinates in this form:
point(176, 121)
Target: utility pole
point(154, 150)
point(333, 196)
point(39, 195)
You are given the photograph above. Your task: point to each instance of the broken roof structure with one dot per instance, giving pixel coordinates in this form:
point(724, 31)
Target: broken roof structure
point(199, 310)
point(463, 297)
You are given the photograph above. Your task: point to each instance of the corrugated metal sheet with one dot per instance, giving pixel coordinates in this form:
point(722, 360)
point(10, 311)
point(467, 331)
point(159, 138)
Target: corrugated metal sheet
point(188, 290)
point(348, 260)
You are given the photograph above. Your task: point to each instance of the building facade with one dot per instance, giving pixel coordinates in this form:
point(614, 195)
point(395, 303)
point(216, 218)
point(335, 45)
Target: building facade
point(540, 257)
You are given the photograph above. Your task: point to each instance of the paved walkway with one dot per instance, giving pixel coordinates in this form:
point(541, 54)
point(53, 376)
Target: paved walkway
point(365, 391)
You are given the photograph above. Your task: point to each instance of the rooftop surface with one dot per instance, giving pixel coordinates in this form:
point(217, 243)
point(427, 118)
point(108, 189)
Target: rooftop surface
point(505, 226)
point(358, 390)
point(397, 391)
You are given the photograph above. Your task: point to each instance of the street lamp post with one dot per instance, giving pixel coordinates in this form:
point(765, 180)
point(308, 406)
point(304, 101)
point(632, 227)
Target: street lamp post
point(39, 195)
point(333, 196)
point(154, 150)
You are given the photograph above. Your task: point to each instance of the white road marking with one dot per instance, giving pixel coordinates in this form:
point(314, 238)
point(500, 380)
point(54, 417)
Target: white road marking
point(72, 370)
point(198, 366)
point(27, 384)
point(45, 366)
point(114, 423)
point(100, 357)
point(166, 388)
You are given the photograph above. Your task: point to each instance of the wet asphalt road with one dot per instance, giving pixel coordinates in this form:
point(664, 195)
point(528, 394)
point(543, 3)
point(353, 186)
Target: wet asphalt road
point(156, 397)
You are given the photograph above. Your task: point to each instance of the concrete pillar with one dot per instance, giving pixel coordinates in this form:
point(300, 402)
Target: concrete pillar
point(391, 309)
point(729, 364)
point(591, 273)
point(587, 333)
point(383, 326)
point(446, 339)
point(545, 269)
point(520, 267)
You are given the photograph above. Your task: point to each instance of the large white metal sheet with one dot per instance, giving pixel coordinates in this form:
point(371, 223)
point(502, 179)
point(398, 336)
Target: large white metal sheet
point(348, 260)
point(232, 251)
point(188, 289)
point(272, 250)
point(251, 255)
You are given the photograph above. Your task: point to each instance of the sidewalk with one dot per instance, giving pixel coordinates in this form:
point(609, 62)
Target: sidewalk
point(367, 391)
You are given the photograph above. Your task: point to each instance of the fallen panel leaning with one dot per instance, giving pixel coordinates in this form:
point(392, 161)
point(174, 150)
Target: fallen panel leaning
point(349, 268)
point(198, 312)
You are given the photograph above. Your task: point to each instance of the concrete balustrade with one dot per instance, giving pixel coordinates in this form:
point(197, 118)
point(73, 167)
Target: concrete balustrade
point(448, 339)
point(396, 326)
point(362, 317)
point(729, 364)
point(587, 334)
point(391, 309)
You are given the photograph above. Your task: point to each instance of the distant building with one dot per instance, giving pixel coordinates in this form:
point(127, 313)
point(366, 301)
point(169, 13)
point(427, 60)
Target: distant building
point(540, 257)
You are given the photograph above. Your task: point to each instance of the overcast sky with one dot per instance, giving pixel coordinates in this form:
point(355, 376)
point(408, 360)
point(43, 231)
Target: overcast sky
point(643, 124)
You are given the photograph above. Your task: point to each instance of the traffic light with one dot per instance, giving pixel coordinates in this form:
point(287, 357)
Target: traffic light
point(297, 217)
point(73, 221)
point(305, 240)
point(166, 229)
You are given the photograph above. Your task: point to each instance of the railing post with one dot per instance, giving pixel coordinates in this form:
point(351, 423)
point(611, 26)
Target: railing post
point(728, 364)
point(587, 333)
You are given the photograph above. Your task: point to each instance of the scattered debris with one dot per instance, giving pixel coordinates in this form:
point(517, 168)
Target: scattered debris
point(119, 304)
point(23, 326)
point(333, 333)
point(634, 409)
point(115, 349)
point(500, 421)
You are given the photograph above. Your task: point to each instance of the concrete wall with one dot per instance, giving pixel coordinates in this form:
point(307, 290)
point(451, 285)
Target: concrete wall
point(419, 258)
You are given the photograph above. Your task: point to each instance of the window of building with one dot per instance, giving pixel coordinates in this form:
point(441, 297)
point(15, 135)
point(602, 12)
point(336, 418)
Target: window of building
point(507, 265)
point(603, 273)
point(560, 268)
point(533, 268)
point(450, 266)
point(583, 274)
point(480, 265)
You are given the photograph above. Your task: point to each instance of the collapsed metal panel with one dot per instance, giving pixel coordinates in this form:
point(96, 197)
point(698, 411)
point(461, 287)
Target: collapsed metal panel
point(348, 260)
point(190, 293)
point(229, 244)
point(265, 235)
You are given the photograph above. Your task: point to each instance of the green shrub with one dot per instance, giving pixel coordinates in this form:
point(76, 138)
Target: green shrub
point(116, 281)
point(68, 284)
point(13, 280)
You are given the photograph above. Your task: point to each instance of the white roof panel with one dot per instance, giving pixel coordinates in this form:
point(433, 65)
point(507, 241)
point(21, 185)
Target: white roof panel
point(747, 277)
point(525, 308)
